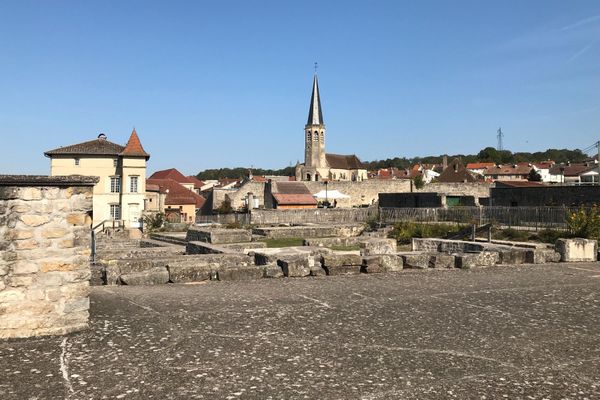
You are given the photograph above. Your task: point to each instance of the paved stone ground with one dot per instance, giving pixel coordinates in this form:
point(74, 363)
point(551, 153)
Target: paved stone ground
point(520, 333)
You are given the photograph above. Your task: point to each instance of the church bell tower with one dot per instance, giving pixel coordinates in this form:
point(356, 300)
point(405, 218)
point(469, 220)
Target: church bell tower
point(314, 132)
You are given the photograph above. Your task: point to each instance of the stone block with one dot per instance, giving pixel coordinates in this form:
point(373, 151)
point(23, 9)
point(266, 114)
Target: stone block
point(18, 234)
point(30, 193)
point(343, 269)
point(34, 220)
point(20, 208)
point(272, 271)
point(541, 256)
point(48, 266)
point(513, 256)
point(218, 236)
point(11, 296)
point(158, 276)
point(185, 273)
point(8, 193)
point(474, 260)
point(21, 280)
point(415, 260)
point(77, 219)
point(240, 273)
point(76, 305)
point(24, 267)
point(378, 246)
point(27, 244)
point(442, 261)
point(577, 250)
point(340, 259)
point(296, 265)
point(382, 263)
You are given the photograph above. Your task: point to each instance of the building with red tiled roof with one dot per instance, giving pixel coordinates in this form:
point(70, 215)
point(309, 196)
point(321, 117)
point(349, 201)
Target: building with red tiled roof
point(456, 173)
point(177, 202)
point(288, 195)
point(120, 192)
point(508, 172)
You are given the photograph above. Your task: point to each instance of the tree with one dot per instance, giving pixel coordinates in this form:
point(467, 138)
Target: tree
point(534, 176)
point(419, 182)
point(225, 207)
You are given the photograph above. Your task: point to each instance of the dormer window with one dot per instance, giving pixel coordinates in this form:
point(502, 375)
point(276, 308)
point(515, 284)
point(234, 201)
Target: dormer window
point(77, 161)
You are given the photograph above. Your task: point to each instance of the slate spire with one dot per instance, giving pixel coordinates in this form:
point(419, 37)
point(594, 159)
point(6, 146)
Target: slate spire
point(315, 114)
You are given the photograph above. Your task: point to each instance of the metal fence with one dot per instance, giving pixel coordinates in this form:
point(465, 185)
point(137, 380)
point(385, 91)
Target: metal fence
point(513, 217)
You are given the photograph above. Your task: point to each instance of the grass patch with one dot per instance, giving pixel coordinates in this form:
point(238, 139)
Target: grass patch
point(403, 232)
point(284, 242)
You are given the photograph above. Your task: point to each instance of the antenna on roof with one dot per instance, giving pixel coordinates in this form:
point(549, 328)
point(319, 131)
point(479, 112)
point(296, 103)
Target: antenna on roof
point(500, 135)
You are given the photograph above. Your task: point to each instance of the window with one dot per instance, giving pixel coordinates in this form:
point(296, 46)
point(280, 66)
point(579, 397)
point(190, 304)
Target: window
point(133, 184)
point(115, 163)
point(77, 161)
point(115, 211)
point(115, 184)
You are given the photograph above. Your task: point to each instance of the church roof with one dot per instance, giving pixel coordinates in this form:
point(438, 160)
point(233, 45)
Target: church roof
point(134, 146)
point(99, 146)
point(315, 114)
point(339, 161)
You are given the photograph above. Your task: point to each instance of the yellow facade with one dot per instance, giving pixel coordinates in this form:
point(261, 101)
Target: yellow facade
point(128, 196)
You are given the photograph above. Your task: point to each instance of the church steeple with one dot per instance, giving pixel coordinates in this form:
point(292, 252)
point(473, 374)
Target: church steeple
point(315, 114)
point(314, 131)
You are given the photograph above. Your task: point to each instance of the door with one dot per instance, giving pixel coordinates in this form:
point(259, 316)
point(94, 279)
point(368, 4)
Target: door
point(134, 215)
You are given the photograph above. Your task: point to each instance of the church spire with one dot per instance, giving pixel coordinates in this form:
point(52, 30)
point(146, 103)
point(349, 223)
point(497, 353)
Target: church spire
point(315, 114)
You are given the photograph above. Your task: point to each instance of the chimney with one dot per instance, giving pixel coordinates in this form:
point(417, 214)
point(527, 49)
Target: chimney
point(444, 163)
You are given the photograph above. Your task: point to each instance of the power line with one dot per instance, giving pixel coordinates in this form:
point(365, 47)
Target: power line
point(500, 135)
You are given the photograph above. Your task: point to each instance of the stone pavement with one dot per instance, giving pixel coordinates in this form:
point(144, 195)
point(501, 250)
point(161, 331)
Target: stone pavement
point(530, 332)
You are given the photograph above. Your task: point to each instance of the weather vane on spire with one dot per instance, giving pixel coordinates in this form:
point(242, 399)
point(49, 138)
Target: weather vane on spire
point(316, 66)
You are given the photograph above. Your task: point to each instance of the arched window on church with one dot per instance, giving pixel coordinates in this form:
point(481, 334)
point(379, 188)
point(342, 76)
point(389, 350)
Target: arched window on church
point(309, 136)
point(316, 136)
point(322, 137)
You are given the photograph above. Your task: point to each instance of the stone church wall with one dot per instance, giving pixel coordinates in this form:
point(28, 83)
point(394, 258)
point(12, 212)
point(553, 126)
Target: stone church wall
point(44, 254)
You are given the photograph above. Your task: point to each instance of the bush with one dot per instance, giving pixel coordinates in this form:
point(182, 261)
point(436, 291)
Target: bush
point(154, 222)
point(550, 235)
point(233, 225)
point(225, 207)
point(585, 222)
point(403, 232)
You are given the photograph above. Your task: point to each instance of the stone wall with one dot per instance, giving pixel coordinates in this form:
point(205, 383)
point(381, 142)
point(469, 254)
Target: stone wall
point(314, 216)
point(238, 196)
point(44, 254)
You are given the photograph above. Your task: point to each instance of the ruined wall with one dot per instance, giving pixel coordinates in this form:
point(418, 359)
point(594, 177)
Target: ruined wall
point(44, 254)
point(239, 195)
point(314, 216)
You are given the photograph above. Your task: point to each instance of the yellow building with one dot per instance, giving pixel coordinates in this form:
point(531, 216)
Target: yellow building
point(119, 195)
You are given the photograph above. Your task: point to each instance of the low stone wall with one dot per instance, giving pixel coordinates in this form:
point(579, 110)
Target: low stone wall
point(44, 254)
point(310, 231)
point(218, 235)
point(577, 250)
point(314, 216)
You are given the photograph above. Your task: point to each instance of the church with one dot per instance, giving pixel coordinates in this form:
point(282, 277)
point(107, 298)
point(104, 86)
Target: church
point(319, 165)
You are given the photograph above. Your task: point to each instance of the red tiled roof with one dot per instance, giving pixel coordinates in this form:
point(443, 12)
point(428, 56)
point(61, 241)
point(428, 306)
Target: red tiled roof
point(171, 173)
point(99, 146)
point(571, 170)
point(176, 194)
point(152, 187)
point(134, 146)
point(197, 182)
point(290, 188)
point(455, 173)
point(480, 165)
point(294, 199)
point(339, 161)
point(259, 179)
point(509, 170)
point(519, 184)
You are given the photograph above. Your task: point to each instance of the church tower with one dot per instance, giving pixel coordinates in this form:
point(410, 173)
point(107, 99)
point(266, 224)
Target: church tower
point(314, 132)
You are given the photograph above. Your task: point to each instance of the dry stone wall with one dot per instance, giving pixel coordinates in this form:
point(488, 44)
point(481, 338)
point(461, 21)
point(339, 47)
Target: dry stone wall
point(44, 254)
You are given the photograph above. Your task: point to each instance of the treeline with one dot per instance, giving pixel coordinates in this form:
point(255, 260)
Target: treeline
point(241, 172)
point(489, 154)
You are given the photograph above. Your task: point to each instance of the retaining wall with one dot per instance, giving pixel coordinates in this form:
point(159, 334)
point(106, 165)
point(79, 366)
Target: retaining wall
point(44, 254)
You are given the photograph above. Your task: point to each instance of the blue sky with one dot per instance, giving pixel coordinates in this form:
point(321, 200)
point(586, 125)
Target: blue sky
point(227, 83)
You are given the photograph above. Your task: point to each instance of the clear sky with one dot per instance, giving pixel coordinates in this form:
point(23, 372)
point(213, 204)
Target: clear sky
point(227, 83)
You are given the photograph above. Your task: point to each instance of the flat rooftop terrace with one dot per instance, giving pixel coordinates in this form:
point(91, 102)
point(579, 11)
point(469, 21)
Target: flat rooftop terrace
point(529, 332)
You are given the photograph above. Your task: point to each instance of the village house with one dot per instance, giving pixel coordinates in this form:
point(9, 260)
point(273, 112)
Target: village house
point(581, 173)
point(177, 202)
point(519, 172)
point(119, 194)
point(288, 195)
